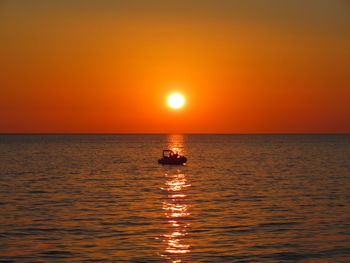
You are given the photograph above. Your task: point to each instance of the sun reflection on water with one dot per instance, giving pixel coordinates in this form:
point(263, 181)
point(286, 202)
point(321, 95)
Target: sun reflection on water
point(177, 212)
point(176, 209)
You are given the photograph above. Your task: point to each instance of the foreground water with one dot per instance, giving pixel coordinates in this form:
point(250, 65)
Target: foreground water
point(240, 198)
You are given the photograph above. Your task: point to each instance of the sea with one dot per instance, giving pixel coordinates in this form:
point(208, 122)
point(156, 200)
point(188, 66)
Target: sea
point(239, 198)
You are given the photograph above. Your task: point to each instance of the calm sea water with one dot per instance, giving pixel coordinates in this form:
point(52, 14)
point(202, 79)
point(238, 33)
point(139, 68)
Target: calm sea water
point(240, 198)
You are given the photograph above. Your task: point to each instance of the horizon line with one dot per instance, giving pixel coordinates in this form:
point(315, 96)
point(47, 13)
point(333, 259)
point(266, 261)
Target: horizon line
point(167, 133)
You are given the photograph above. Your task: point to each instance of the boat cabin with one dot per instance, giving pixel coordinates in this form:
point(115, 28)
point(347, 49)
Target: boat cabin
point(169, 153)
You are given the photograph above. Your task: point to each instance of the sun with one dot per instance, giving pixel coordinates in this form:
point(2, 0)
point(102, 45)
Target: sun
point(176, 100)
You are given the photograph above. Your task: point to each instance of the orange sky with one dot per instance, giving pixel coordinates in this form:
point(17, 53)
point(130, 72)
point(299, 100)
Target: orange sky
point(107, 66)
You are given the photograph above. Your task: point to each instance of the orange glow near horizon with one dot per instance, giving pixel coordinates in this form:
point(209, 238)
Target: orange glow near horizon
point(243, 67)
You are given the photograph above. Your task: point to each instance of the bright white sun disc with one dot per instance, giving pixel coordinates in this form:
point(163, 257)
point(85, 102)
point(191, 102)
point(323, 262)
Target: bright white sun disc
point(176, 100)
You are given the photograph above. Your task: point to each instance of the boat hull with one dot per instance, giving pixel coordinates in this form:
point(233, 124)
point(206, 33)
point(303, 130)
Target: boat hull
point(173, 161)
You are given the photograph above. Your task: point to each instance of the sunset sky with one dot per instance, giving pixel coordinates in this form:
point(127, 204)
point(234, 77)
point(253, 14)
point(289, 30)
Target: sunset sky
point(108, 66)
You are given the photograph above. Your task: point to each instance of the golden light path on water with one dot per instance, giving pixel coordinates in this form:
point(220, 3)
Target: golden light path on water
point(176, 208)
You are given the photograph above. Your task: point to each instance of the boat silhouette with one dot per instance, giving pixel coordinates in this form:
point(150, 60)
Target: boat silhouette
point(169, 157)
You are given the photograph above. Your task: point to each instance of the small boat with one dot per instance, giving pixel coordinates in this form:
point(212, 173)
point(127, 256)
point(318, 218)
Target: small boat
point(169, 157)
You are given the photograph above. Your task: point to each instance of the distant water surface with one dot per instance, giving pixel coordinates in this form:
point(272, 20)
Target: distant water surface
point(240, 198)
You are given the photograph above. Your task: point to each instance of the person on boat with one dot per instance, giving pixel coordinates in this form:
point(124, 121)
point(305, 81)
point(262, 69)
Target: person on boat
point(173, 155)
